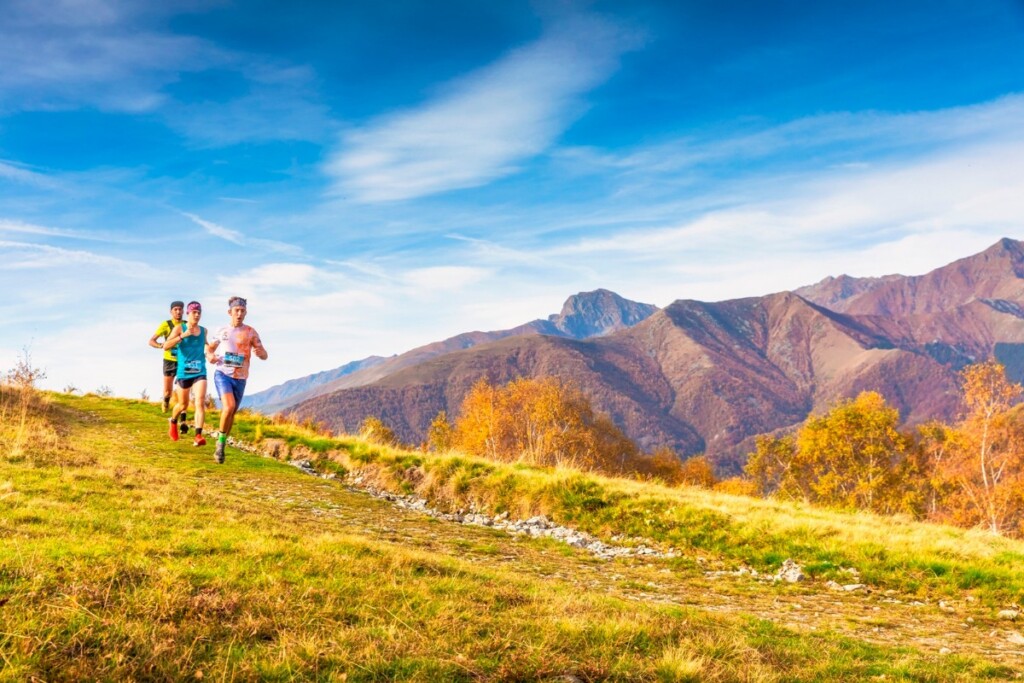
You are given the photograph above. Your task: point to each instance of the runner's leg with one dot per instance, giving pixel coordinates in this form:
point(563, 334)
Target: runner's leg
point(227, 412)
point(168, 389)
point(200, 410)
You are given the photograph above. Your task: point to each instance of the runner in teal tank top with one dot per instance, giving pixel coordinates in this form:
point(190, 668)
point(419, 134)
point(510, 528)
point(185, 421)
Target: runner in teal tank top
point(191, 354)
point(190, 340)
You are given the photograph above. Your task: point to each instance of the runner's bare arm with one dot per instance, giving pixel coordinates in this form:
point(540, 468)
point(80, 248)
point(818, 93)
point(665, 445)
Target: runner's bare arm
point(211, 350)
point(173, 338)
point(258, 348)
point(154, 343)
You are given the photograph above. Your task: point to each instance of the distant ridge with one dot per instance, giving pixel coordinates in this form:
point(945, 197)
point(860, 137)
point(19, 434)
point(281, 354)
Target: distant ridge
point(583, 315)
point(707, 377)
point(277, 397)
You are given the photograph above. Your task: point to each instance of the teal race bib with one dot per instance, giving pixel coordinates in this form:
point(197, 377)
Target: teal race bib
point(193, 367)
point(234, 360)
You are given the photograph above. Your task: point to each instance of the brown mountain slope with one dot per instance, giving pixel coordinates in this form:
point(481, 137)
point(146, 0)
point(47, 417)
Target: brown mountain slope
point(696, 376)
point(708, 376)
point(996, 273)
point(583, 315)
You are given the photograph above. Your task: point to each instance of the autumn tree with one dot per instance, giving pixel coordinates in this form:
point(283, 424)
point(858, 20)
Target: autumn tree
point(375, 431)
point(983, 453)
point(477, 429)
point(663, 464)
point(852, 456)
point(697, 471)
point(440, 433)
point(768, 466)
point(540, 421)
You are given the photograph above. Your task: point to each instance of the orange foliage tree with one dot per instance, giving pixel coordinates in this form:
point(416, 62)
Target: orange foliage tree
point(539, 421)
point(981, 457)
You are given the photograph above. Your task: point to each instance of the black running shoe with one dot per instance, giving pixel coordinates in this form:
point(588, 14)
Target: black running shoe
point(218, 453)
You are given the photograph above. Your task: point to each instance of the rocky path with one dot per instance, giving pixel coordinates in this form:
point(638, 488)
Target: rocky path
point(939, 628)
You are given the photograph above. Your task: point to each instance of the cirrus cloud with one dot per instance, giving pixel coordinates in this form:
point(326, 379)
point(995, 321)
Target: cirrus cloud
point(484, 124)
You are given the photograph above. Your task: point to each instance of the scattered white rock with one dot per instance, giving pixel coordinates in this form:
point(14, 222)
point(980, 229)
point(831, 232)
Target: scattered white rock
point(945, 651)
point(1008, 614)
point(790, 572)
point(535, 526)
point(946, 607)
point(851, 587)
point(1015, 638)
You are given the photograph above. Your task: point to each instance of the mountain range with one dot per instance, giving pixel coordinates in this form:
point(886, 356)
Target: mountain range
point(707, 377)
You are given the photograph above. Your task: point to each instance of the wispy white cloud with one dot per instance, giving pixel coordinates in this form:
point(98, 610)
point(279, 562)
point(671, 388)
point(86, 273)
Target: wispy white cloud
point(31, 256)
point(236, 237)
point(87, 52)
point(120, 57)
point(483, 125)
point(20, 174)
point(935, 186)
point(864, 135)
point(216, 230)
point(847, 205)
point(271, 277)
point(13, 226)
point(444, 278)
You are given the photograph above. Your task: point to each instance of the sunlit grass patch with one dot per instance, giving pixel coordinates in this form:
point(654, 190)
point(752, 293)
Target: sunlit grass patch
point(152, 562)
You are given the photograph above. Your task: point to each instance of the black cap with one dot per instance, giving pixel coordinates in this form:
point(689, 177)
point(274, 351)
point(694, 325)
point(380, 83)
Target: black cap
point(179, 304)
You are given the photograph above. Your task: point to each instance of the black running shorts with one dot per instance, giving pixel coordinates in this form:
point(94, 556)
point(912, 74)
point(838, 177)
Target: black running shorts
point(187, 382)
point(170, 368)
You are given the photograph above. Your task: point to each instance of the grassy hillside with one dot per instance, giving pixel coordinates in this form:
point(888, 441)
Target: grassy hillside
point(919, 560)
point(124, 555)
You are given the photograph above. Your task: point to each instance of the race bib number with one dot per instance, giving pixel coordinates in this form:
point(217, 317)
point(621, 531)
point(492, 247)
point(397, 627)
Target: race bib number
point(234, 360)
point(193, 367)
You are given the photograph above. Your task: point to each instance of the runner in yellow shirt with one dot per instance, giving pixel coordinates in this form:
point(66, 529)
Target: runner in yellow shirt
point(171, 355)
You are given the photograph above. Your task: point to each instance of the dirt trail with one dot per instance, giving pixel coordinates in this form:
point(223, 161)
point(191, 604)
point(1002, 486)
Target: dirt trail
point(872, 616)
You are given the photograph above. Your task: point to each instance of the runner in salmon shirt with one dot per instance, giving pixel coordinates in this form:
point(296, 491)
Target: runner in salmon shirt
point(229, 349)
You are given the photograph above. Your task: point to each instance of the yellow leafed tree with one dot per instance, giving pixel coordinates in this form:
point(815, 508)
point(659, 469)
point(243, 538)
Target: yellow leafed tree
point(983, 453)
point(852, 456)
point(539, 421)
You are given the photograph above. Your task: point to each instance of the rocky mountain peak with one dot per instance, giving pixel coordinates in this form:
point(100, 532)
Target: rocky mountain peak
point(597, 313)
point(1004, 254)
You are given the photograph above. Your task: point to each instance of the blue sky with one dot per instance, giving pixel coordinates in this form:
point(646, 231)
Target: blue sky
point(375, 176)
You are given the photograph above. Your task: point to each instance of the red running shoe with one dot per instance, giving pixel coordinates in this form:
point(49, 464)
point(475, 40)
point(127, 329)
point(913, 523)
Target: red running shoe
point(172, 431)
point(199, 441)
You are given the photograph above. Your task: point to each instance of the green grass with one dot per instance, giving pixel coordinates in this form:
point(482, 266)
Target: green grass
point(925, 560)
point(126, 556)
